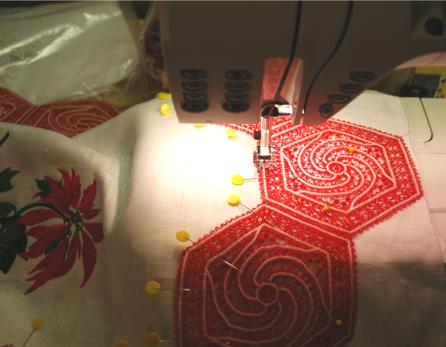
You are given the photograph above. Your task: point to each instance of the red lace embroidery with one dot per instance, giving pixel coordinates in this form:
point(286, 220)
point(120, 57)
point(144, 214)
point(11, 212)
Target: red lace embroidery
point(284, 274)
point(287, 285)
point(66, 117)
point(362, 187)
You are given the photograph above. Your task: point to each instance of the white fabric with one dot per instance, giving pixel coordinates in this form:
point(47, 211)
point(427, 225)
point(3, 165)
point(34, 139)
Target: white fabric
point(401, 278)
point(158, 176)
point(67, 46)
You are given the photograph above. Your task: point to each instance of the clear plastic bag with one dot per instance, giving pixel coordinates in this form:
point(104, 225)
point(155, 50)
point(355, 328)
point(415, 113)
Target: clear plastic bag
point(70, 50)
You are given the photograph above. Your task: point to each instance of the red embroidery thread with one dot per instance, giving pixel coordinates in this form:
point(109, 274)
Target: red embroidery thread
point(70, 117)
point(373, 182)
point(292, 279)
point(293, 282)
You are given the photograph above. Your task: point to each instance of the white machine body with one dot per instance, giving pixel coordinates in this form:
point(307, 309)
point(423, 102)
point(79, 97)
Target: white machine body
point(228, 62)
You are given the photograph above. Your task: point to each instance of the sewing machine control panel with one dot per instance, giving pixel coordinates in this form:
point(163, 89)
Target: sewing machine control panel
point(236, 91)
point(195, 98)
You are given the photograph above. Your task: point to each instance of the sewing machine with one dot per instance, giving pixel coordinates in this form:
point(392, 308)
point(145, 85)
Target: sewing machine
point(236, 62)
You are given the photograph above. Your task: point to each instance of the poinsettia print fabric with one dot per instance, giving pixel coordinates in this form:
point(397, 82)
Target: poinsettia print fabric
point(63, 231)
point(57, 227)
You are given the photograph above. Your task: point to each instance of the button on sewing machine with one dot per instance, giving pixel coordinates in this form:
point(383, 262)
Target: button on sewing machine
point(193, 74)
point(236, 96)
point(194, 96)
point(193, 86)
point(236, 86)
point(326, 110)
point(350, 88)
point(237, 75)
point(339, 98)
point(362, 76)
point(194, 106)
point(235, 106)
point(434, 26)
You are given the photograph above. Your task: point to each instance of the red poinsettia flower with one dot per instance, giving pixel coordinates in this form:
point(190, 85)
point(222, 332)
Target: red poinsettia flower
point(72, 236)
point(8, 346)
